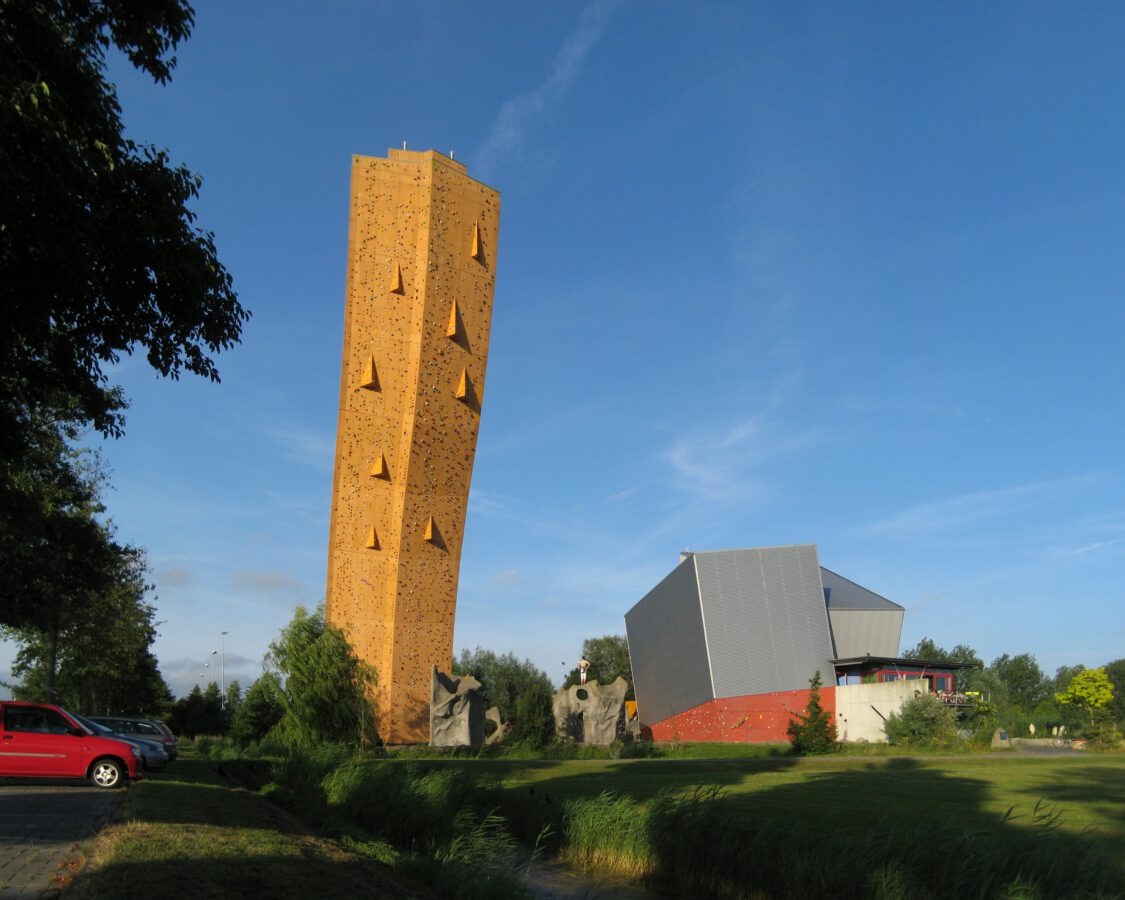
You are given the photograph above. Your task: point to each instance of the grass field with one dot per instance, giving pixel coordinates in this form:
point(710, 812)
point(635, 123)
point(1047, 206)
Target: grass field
point(850, 792)
point(190, 833)
point(988, 826)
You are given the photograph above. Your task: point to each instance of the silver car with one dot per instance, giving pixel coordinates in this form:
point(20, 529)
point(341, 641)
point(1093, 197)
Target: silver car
point(152, 754)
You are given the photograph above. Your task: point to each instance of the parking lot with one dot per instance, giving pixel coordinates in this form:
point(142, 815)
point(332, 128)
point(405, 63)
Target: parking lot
point(41, 825)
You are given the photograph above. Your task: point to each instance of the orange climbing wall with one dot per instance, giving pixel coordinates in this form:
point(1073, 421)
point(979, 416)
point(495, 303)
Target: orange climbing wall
point(421, 272)
point(748, 719)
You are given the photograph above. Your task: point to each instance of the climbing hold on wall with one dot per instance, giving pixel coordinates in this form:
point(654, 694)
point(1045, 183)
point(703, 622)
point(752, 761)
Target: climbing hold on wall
point(370, 379)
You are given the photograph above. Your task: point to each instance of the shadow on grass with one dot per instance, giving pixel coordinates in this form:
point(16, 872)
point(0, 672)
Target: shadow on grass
point(536, 811)
point(1102, 787)
point(893, 829)
point(298, 876)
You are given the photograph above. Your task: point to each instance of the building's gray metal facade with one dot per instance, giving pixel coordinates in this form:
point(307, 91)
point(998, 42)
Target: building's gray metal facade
point(728, 623)
point(667, 647)
point(764, 617)
point(863, 623)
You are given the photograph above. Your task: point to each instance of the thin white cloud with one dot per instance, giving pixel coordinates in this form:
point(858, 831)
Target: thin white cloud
point(490, 506)
point(183, 664)
point(518, 114)
point(266, 582)
point(177, 576)
point(956, 512)
point(924, 601)
point(1089, 548)
point(509, 578)
point(719, 467)
point(622, 495)
point(300, 444)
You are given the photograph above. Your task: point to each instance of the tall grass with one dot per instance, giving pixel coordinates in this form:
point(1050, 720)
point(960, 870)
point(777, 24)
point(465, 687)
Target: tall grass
point(430, 821)
point(408, 804)
point(702, 845)
point(606, 833)
point(454, 824)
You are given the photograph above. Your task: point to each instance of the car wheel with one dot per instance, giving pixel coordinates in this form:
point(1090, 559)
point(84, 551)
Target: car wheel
point(107, 773)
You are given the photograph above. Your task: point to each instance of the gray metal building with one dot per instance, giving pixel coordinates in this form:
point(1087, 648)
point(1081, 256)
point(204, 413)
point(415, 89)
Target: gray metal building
point(862, 622)
point(729, 623)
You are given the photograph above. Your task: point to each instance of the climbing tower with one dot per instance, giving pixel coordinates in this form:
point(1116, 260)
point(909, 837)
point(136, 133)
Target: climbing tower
point(421, 272)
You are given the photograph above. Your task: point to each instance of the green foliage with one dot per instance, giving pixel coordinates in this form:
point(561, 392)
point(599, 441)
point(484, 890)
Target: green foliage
point(504, 678)
point(260, 710)
point(324, 688)
point(433, 821)
point(928, 651)
point(92, 647)
point(814, 733)
point(404, 802)
point(1024, 680)
point(609, 660)
point(1091, 692)
point(200, 712)
point(922, 720)
point(98, 257)
point(98, 251)
point(705, 843)
point(534, 720)
point(1116, 672)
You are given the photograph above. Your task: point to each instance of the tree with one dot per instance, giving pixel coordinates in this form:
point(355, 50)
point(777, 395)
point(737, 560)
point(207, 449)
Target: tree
point(233, 698)
point(98, 250)
point(92, 646)
point(1116, 673)
point(200, 712)
point(814, 732)
point(99, 256)
point(922, 720)
point(928, 651)
point(1090, 691)
point(534, 719)
point(324, 688)
point(1063, 676)
point(504, 678)
point(260, 710)
point(609, 659)
point(1023, 678)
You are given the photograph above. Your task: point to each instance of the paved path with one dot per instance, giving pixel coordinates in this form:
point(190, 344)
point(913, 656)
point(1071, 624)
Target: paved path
point(40, 826)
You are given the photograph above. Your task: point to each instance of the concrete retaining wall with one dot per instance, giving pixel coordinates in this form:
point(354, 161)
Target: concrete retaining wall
point(861, 709)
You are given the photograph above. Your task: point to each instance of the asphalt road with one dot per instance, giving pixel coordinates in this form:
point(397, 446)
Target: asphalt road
point(41, 825)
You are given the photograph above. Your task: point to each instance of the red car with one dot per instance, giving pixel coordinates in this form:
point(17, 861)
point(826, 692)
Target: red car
point(42, 741)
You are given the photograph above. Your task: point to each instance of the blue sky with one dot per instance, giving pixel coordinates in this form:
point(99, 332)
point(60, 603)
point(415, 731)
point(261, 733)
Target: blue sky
point(844, 274)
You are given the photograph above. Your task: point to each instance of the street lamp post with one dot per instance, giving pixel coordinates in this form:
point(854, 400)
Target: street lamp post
point(223, 645)
point(214, 653)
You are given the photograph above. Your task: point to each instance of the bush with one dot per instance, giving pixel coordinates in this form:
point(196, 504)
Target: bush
point(534, 719)
point(323, 688)
point(814, 733)
point(923, 720)
point(259, 712)
point(503, 679)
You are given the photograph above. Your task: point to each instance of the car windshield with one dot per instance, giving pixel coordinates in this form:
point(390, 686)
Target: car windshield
point(92, 727)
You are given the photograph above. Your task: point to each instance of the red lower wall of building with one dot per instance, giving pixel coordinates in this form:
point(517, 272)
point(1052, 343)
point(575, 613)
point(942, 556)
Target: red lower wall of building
point(740, 720)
